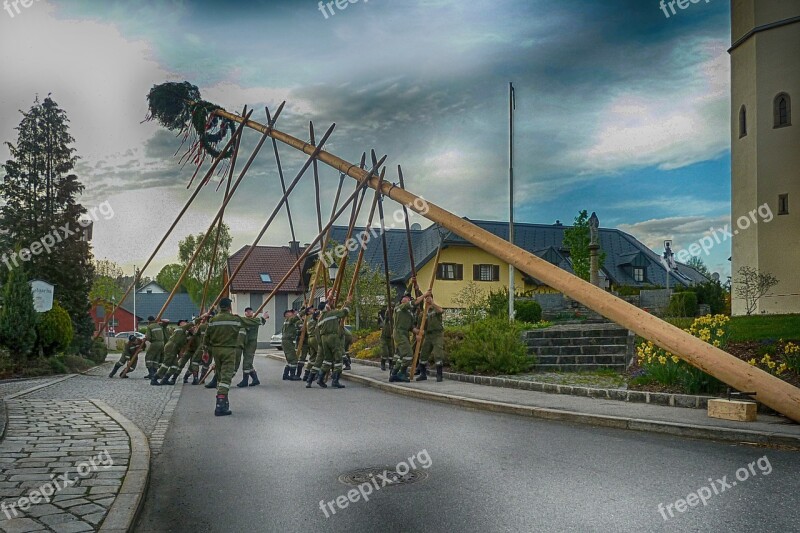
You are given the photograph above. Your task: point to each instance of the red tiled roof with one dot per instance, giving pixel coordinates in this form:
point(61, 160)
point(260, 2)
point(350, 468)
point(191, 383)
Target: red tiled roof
point(273, 260)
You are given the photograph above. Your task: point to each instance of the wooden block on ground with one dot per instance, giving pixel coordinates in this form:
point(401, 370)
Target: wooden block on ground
point(732, 410)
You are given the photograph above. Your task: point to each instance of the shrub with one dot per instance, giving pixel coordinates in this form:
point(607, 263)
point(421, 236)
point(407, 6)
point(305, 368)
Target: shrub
point(491, 345)
point(57, 365)
point(527, 311)
point(713, 294)
point(54, 330)
point(683, 304)
point(666, 368)
point(99, 350)
point(17, 316)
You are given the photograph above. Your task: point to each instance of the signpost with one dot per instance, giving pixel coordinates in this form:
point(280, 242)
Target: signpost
point(42, 293)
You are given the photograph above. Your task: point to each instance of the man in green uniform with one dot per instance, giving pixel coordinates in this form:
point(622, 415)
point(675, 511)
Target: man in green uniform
point(404, 322)
point(308, 312)
point(385, 321)
point(331, 342)
point(172, 350)
point(199, 352)
point(315, 363)
point(291, 327)
point(186, 355)
point(433, 341)
point(128, 350)
point(252, 323)
point(222, 341)
point(154, 336)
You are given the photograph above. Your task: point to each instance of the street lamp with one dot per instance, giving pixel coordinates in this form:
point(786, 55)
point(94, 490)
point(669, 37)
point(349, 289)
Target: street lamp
point(114, 313)
point(333, 270)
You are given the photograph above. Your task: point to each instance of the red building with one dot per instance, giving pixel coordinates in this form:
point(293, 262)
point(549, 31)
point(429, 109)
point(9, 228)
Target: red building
point(122, 319)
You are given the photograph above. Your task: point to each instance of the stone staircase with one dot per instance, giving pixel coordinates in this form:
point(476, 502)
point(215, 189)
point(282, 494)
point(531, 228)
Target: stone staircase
point(576, 347)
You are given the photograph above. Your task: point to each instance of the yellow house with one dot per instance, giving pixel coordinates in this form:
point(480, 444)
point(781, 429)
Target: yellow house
point(464, 268)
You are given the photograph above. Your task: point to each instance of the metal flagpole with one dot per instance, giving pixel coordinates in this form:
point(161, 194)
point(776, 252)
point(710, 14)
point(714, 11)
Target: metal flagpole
point(511, 107)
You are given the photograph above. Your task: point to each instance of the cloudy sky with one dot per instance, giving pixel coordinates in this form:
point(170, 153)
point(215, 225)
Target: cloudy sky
point(620, 110)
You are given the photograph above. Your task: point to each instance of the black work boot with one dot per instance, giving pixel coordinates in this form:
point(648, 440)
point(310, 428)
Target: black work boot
point(195, 378)
point(383, 365)
point(244, 381)
point(294, 375)
point(335, 384)
point(423, 375)
point(254, 378)
point(321, 380)
point(213, 383)
point(285, 372)
point(439, 373)
point(154, 380)
point(403, 376)
point(186, 376)
point(300, 366)
point(223, 408)
point(311, 378)
point(393, 375)
point(346, 361)
point(165, 380)
point(173, 379)
point(114, 370)
point(308, 373)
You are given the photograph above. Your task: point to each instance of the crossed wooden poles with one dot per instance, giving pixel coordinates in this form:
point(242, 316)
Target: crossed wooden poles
point(772, 391)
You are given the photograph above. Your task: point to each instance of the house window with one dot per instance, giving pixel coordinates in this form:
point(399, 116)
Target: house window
point(450, 271)
point(783, 111)
point(266, 277)
point(742, 122)
point(100, 311)
point(783, 204)
point(638, 274)
point(486, 273)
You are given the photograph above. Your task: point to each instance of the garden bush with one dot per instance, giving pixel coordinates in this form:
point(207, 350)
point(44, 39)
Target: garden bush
point(99, 350)
point(527, 311)
point(683, 304)
point(54, 330)
point(493, 346)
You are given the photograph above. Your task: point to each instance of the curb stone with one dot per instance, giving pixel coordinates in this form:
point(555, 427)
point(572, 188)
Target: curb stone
point(617, 422)
point(37, 387)
point(128, 504)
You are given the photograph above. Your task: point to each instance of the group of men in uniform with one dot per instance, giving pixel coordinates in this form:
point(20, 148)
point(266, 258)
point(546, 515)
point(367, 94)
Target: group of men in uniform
point(227, 339)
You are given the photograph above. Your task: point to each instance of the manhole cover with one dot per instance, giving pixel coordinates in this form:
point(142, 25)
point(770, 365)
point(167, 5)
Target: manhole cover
point(384, 476)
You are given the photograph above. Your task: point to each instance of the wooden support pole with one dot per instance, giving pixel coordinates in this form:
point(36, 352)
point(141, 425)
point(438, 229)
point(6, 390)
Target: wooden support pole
point(389, 300)
point(363, 246)
point(408, 236)
point(772, 391)
point(421, 336)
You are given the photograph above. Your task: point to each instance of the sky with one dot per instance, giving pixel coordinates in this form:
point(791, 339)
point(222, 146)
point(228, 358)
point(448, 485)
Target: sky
point(620, 109)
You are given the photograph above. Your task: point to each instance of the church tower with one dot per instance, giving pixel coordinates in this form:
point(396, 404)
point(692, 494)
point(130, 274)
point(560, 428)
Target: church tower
point(765, 148)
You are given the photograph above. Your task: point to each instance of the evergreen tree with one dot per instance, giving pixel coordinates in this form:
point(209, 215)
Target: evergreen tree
point(40, 193)
point(17, 317)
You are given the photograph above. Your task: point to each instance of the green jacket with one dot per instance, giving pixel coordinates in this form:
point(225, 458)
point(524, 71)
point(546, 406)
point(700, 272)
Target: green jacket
point(251, 325)
point(291, 327)
point(329, 321)
point(434, 324)
point(154, 333)
point(404, 319)
point(129, 348)
point(223, 331)
point(179, 338)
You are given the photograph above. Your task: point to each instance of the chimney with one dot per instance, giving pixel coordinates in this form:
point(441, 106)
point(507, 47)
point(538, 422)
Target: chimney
point(294, 246)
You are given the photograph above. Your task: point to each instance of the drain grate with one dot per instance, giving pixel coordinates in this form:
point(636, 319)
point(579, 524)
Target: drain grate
point(378, 473)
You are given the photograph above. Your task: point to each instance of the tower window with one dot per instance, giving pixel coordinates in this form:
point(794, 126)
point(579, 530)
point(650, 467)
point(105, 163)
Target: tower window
point(783, 204)
point(742, 122)
point(783, 111)
point(638, 274)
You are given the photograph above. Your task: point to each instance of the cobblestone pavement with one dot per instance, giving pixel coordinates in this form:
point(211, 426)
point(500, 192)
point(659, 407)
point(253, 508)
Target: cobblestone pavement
point(134, 398)
point(72, 452)
point(17, 385)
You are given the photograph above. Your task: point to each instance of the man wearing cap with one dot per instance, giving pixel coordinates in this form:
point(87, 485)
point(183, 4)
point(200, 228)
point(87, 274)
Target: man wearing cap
point(306, 355)
point(291, 325)
point(315, 343)
point(329, 326)
point(222, 340)
point(433, 342)
point(251, 325)
point(154, 336)
point(404, 322)
point(127, 352)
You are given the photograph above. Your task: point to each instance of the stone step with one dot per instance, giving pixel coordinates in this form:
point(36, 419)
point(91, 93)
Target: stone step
point(578, 368)
point(616, 359)
point(549, 333)
point(577, 341)
point(602, 349)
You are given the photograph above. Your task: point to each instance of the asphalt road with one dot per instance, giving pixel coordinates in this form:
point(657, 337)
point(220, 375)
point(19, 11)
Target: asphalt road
point(267, 467)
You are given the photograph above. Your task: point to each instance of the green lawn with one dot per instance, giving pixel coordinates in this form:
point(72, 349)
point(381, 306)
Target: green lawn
point(754, 328)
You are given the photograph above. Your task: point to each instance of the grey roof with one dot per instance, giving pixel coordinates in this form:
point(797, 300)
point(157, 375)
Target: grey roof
point(180, 308)
point(545, 241)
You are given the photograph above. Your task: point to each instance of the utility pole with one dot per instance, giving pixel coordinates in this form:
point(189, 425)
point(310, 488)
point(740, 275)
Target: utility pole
point(511, 107)
point(135, 290)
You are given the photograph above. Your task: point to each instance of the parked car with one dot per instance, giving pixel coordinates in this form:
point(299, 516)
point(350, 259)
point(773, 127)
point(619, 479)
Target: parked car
point(126, 334)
